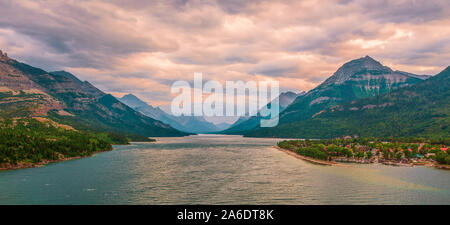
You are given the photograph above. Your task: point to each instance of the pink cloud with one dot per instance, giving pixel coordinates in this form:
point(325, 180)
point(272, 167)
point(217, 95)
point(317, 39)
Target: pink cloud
point(143, 46)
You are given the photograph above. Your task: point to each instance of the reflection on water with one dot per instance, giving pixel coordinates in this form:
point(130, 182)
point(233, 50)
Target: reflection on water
point(213, 169)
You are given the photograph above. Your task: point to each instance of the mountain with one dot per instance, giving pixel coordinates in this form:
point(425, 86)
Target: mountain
point(286, 98)
point(26, 91)
point(223, 126)
point(359, 78)
point(191, 124)
point(422, 110)
point(134, 102)
point(246, 123)
point(195, 124)
point(146, 109)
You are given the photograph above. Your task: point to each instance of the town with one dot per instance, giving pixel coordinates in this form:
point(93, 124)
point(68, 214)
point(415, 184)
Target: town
point(395, 152)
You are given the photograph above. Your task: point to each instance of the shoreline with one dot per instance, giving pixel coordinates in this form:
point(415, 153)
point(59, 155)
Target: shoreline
point(333, 163)
point(23, 165)
point(441, 166)
point(309, 159)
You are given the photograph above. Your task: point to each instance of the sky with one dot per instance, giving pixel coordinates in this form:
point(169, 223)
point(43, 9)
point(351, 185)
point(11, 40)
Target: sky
point(142, 47)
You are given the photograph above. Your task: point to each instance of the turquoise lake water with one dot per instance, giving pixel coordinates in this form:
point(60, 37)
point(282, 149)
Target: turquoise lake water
point(213, 169)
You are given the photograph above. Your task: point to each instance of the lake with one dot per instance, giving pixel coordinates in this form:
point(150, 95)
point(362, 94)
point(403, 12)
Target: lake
point(216, 169)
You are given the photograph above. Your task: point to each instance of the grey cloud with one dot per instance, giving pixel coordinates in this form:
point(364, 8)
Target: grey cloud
point(213, 58)
point(276, 68)
point(157, 39)
point(418, 11)
point(76, 32)
point(274, 71)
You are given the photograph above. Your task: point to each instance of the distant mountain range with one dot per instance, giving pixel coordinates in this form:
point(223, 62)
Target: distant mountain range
point(26, 91)
point(191, 124)
point(365, 98)
point(244, 124)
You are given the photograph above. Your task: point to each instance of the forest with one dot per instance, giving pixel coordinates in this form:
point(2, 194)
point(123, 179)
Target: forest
point(28, 141)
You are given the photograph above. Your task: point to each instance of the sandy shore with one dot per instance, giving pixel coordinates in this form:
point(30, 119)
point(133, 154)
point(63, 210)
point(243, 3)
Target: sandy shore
point(440, 166)
point(311, 160)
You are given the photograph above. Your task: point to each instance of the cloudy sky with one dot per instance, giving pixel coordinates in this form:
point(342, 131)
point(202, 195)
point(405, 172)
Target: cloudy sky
point(142, 47)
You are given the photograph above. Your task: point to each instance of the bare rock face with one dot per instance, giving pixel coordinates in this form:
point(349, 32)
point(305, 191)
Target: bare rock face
point(14, 79)
point(345, 72)
point(370, 74)
point(4, 56)
point(20, 93)
point(364, 77)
